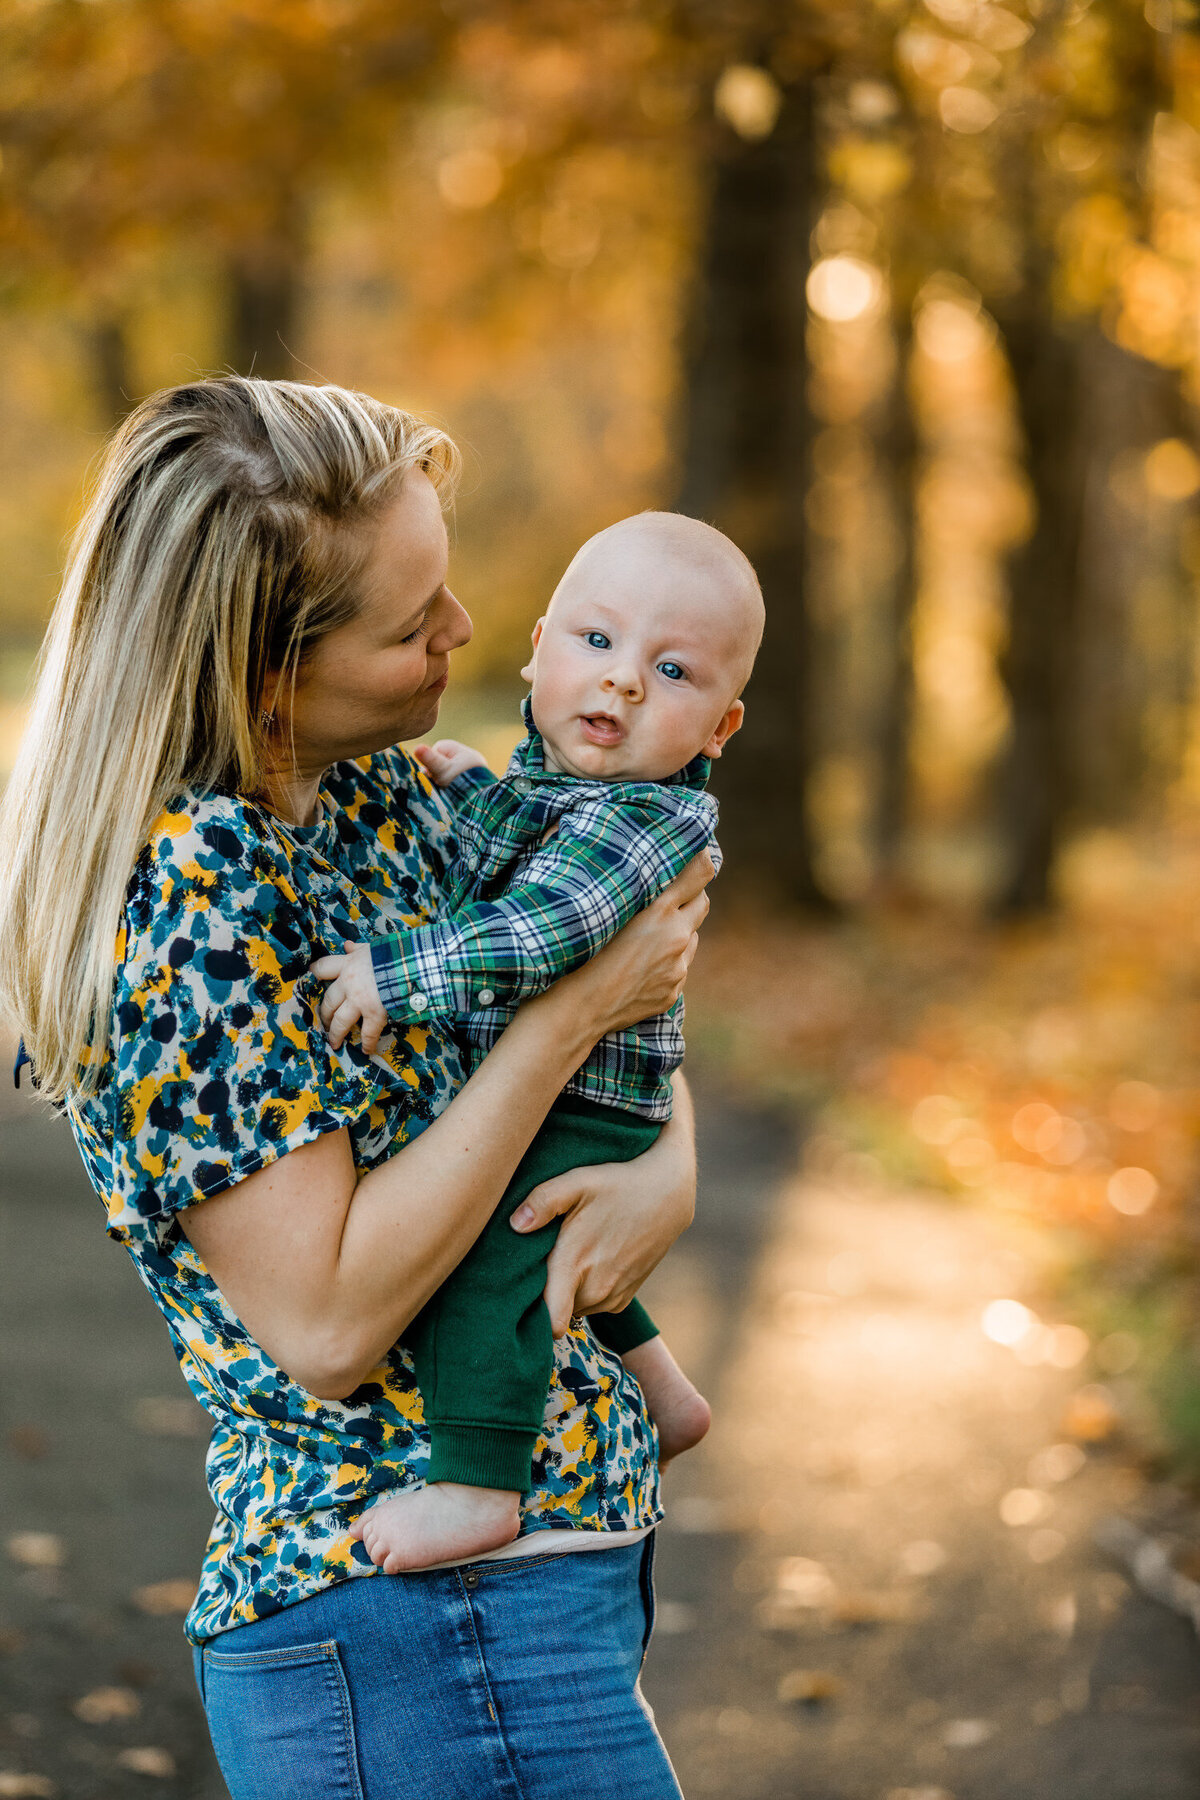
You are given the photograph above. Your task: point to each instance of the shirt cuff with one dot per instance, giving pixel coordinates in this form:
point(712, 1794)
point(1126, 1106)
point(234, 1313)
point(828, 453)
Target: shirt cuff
point(459, 790)
point(415, 981)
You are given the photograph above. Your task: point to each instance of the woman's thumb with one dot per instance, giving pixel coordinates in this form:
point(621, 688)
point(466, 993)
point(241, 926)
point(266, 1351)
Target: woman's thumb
point(550, 1200)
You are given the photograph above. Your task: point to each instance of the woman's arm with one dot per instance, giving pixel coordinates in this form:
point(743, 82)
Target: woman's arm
point(326, 1286)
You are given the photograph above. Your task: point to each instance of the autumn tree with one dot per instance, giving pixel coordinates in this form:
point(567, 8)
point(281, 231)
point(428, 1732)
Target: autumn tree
point(164, 128)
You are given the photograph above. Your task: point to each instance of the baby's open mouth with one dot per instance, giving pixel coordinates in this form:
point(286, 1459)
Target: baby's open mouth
point(601, 728)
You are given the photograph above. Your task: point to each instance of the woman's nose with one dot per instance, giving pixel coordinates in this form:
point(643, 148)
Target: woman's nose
point(452, 624)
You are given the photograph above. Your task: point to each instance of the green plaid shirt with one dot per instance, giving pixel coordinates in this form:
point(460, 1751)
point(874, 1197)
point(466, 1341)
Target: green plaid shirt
point(550, 867)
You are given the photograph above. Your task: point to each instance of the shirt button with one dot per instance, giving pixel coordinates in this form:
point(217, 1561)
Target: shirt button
point(521, 785)
point(486, 997)
point(418, 1001)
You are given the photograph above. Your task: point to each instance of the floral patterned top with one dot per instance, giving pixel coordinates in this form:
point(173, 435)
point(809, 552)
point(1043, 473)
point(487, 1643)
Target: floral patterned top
point(217, 1067)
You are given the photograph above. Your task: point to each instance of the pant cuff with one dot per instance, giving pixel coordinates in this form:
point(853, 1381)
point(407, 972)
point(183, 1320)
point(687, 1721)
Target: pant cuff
point(490, 1456)
point(622, 1331)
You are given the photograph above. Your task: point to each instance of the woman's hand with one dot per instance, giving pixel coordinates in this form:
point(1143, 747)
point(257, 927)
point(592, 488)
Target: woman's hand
point(642, 971)
point(620, 1220)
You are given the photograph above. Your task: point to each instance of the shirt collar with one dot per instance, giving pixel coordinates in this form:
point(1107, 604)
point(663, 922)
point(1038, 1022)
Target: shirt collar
point(529, 758)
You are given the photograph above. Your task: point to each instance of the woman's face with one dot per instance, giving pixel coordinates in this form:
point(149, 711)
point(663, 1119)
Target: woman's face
point(379, 678)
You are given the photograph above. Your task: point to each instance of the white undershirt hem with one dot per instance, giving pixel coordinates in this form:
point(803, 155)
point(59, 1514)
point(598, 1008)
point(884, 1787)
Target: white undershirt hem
point(558, 1540)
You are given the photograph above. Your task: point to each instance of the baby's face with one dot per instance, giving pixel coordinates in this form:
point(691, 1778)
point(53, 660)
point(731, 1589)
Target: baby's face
point(635, 668)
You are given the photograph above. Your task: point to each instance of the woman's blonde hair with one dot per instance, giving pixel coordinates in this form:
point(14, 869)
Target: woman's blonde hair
point(220, 545)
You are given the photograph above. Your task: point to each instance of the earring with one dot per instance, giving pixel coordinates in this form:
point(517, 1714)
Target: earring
point(265, 721)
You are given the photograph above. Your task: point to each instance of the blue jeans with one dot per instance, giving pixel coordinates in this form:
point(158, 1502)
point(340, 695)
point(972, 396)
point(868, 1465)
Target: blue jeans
point(496, 1681)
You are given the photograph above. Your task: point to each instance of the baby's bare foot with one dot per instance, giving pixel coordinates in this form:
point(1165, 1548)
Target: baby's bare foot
point(680, 1412)
point(445, 1522)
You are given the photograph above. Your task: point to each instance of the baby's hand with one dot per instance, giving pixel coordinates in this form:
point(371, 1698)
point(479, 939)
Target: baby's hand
point(446, 760)
point(351, 996)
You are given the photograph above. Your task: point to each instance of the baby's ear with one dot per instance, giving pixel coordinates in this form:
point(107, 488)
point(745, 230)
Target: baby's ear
point(731, 722)
point(527, 671)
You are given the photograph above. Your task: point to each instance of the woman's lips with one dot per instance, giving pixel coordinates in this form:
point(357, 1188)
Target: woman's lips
point(436, 687)
point(598, 728)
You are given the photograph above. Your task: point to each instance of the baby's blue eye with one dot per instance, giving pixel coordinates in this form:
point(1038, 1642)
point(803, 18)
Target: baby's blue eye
point(672, 671)
point(597, 640)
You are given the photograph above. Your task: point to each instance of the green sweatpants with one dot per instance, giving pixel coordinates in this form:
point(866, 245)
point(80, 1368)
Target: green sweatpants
point(483, 1347)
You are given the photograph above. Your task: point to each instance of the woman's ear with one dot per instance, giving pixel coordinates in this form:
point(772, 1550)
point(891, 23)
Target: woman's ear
point(531, 665)
point(731, 722)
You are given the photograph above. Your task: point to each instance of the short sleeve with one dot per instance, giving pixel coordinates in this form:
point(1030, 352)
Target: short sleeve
point(218, 1063)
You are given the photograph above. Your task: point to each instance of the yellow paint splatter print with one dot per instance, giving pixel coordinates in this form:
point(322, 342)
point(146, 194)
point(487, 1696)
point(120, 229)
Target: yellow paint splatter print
point(217, 1067)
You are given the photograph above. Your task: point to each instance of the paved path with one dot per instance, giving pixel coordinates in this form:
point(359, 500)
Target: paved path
point(847, 1614)
point(867, 1432)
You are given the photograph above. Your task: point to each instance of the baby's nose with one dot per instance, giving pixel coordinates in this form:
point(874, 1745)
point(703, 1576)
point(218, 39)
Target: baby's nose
point(624, 681)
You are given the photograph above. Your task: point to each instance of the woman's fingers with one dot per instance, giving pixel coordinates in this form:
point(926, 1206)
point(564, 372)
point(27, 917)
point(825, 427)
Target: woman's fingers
point(562, 1285)
point(692, 881)
point(550, 1200)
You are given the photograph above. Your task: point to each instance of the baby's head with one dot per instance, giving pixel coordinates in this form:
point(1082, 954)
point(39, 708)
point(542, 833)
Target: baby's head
point(647, 643)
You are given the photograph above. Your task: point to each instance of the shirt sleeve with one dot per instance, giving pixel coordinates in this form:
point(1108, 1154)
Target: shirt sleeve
point(219, 1065)
point(603, 866)
point(460, 790)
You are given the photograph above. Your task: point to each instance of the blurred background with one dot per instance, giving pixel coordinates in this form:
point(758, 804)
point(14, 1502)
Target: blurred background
point(906, 298)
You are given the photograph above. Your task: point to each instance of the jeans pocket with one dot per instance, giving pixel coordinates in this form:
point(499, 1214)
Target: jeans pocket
point(646, 1584)
point(281, 1723)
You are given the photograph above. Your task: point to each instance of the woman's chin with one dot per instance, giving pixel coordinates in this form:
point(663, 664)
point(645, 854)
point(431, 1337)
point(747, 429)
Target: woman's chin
point(420, 720)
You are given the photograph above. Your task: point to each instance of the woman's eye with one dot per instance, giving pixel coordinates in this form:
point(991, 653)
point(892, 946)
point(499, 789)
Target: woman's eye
point(414, 635)
point(597, 640)
point(672, 671)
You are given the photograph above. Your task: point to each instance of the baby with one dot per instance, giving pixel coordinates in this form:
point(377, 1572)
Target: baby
point(637, 666)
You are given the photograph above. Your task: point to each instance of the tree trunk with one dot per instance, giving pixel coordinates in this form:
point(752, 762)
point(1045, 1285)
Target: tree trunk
point(1036, 792)
point(264, 291)
point(108, 346)
point(746, 443)
point(900, 452)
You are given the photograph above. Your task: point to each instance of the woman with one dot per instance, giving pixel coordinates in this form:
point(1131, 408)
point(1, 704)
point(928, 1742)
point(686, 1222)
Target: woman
point(254, 615)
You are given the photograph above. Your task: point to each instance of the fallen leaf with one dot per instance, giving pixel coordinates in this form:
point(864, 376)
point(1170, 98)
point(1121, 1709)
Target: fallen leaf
point(171, 1415)
point(104, 1704)
point(1091, 1415)
point(163, 1598)
point(1187, 1561)
point(26, 1787)
point(1062, 1614)
point(967, 1734)
point(1075, 1693)
point(699, 1514)
point(148, 1759)
point(37, 1549)
point(809, 1687)
point(29, 1442)
point(1021, 1506)
point(136, 1672)
point(801, 1582)
point(874, 1609)
point(673, 1617)
point(777, 1615)
point(919, 1793)
point(923, 1557)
